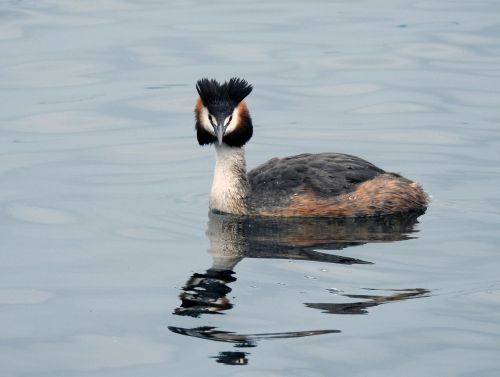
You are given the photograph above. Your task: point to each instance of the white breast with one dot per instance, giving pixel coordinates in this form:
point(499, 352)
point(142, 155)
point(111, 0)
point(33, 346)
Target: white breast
point(230, 185)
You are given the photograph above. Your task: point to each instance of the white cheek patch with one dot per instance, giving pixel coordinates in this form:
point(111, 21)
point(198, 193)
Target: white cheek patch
point(234, 122)
point(205, 122)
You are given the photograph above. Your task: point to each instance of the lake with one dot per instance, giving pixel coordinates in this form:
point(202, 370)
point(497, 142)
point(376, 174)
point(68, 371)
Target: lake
point(110, 262)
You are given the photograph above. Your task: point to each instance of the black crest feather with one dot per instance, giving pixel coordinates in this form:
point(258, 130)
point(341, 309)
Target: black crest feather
point(212, 92)
point(238, 89)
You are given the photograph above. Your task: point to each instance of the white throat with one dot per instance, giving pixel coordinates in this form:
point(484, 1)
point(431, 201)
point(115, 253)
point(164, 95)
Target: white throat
point(230, 185)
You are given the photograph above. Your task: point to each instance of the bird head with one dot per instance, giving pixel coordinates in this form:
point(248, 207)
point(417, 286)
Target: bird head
point(221, 114)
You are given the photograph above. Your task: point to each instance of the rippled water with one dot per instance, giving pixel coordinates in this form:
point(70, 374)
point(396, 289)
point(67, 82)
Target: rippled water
point(105, 232)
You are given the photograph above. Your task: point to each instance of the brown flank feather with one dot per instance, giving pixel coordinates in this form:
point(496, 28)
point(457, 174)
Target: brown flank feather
point(383, 195)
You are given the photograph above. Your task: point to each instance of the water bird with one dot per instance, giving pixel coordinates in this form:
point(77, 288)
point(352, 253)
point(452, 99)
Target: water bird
point(305, 185)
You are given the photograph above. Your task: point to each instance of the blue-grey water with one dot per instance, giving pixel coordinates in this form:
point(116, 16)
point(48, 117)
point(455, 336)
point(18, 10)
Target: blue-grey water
point(109, 262)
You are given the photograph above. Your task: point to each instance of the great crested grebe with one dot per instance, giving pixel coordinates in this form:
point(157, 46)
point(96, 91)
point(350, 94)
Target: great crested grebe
point(307, 185)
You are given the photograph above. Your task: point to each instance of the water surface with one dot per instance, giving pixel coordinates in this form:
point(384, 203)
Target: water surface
point(110, 264)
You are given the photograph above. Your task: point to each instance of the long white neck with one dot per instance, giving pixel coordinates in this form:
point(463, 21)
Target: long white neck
point(230, 185)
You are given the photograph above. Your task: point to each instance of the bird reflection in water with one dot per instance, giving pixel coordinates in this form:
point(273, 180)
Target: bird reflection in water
point(234, 238)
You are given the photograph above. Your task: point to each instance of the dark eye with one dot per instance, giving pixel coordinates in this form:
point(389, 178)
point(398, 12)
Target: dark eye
point(211, 118)
point(229, 120)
